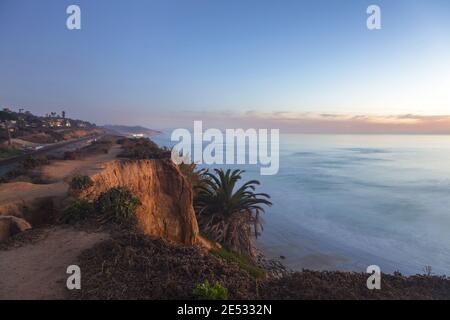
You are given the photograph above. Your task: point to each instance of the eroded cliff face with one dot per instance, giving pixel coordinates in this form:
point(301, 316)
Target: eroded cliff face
point(166, 196)
point(36, 203)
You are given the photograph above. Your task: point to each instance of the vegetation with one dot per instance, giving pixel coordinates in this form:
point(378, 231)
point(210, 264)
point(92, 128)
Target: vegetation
point(77, 211)
point(242, 261)
point(6, 117)
point(142, 148)
point(195, 176)
point(26, 167)
point(6, 153)
point(117, 204)
point(229, 216)
point(156, 268)
point(29, 127)
point(204, 291)
point(133, 266)
point(101, 146)
point(80, 182)
point(34, 162)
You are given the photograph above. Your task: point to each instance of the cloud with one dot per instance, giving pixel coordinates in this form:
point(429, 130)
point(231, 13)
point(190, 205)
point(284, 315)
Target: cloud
point(308, 122)
point(301, 122)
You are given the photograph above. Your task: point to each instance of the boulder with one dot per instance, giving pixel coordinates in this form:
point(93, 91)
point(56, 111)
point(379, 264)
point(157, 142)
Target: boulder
point(10, 226)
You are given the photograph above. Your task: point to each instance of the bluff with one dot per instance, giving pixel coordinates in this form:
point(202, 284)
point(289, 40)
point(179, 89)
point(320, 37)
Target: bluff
point(166, 196)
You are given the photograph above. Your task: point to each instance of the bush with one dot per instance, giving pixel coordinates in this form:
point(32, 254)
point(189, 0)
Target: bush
point(205, 291)
point(142, 148)
point(117, 203)
point(243, 262)
point(77, 211)
point(34, 162)
point(6, 152)
point(80, 182)
point(121, 141)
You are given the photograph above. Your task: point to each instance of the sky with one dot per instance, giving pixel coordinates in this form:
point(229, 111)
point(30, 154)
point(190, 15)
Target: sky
point(301, 66)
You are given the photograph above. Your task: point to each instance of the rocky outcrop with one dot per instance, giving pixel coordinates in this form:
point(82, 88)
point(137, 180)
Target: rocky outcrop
point(166, 196)
point(10, 226)
point(34, 203)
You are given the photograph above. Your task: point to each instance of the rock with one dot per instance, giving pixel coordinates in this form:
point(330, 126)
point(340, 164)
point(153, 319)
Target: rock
point(274, 268)
point(208, 244)
point(10, 226)
point(35, 203)
point(166, 208)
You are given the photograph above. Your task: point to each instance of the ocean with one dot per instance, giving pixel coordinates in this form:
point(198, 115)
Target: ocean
point(344, 202)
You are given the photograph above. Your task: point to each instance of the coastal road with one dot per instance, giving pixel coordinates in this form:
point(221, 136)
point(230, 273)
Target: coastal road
point(7, 164)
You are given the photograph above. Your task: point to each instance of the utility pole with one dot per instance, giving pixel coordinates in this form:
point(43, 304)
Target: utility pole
point(9, 133)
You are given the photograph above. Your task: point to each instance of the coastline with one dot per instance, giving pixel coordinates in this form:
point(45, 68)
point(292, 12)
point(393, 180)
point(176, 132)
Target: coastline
point(101, 248)
point(338, 183)
point(311, 258)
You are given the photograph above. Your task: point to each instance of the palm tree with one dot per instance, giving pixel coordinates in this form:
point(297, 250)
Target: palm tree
point(194, 175)
point(230, 216)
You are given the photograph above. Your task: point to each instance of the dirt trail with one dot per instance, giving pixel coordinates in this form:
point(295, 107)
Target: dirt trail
point(14, 195)
point(38, 270)
point(63, 169)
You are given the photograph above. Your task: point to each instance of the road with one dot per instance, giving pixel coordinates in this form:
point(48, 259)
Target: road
point(7, 164)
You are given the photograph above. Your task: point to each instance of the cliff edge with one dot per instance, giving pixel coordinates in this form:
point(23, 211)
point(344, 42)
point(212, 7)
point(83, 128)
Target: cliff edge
point(166, 196)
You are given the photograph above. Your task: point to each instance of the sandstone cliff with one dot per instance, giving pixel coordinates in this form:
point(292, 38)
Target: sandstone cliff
point(166, 196)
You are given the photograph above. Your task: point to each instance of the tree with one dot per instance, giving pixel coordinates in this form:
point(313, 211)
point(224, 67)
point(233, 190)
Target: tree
point(194, 175)
point(231, 217)
point(6, 117)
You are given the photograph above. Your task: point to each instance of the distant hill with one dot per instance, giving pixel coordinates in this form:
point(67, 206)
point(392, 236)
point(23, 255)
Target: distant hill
point(132, 130)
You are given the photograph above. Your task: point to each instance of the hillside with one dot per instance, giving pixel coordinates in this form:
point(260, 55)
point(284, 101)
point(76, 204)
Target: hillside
point(132, 130)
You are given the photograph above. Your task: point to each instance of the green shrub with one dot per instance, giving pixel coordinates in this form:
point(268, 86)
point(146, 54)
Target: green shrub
point(80, 182)
point(6, 152)
point(243, 262)
point(143, 148)
point(77, 211)
point(204, 291)
point(118, 203)
point(32, 162)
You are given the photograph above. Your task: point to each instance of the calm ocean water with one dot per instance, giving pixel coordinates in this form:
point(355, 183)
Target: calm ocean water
point(344, 202)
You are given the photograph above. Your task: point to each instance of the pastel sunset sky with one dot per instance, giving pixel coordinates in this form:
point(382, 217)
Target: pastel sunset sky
point(301, 66)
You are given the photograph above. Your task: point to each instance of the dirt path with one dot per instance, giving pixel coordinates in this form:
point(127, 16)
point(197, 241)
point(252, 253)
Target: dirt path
point(38, 270)
point(15, 195)
point(63, 169)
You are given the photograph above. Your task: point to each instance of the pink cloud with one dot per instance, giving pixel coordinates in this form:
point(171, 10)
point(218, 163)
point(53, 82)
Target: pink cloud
point(328, 123)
